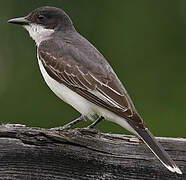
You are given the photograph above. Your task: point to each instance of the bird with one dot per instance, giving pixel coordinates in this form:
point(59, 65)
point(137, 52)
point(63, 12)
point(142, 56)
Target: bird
point(82, 77)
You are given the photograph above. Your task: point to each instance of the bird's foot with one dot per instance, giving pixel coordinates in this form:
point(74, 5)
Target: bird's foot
point(88, 130)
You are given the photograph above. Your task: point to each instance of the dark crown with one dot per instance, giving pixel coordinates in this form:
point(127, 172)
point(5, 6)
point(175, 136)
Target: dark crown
point(51, 18)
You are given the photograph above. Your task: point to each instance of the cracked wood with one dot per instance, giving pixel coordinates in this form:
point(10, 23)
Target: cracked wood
point(34, 153)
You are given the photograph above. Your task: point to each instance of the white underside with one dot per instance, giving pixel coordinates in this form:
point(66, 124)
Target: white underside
point(81, 104)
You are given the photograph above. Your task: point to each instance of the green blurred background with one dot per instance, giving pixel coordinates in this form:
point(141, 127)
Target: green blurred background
point(144, 41)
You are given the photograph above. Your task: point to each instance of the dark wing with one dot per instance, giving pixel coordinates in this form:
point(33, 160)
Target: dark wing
point(85, 71)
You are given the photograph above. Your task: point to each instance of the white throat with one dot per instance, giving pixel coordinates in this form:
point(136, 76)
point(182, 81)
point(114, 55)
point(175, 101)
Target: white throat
point(38, 33)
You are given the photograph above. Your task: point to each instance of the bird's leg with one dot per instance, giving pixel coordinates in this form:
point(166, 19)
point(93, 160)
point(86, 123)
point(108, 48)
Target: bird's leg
point(95, 122)
point(72, 123)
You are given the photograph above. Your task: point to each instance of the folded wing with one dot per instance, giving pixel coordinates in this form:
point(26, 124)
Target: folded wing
point(95, 81)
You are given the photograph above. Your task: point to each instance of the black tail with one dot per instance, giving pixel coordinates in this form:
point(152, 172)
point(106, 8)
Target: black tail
point(157, 149)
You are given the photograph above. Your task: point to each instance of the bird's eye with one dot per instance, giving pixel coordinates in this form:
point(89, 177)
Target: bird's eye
point(41, 17)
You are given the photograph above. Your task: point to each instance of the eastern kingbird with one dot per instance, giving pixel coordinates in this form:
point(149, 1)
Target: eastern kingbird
point(80, 75)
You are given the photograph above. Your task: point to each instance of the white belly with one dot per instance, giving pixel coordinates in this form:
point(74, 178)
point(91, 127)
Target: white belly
point(79, 103)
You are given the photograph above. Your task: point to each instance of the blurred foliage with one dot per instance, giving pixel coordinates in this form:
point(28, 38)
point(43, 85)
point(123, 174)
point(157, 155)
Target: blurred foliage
point(144, 41)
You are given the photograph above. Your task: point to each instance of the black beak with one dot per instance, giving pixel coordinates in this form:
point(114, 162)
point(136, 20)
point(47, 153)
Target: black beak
point(21, 21)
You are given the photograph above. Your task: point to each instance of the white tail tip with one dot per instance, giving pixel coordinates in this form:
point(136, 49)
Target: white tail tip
point(175, 169)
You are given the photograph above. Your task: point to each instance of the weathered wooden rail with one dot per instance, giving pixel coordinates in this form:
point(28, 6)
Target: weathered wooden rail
point(34, 153)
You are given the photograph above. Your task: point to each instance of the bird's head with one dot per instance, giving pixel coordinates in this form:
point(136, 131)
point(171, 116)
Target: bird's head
point(44, 21)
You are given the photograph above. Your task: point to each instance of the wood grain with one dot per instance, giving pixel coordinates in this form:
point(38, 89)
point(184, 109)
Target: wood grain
point(34, 153)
